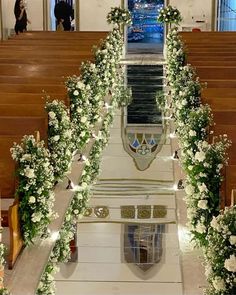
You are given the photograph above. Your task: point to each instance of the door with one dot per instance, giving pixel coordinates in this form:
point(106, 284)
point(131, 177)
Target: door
point(145, 35)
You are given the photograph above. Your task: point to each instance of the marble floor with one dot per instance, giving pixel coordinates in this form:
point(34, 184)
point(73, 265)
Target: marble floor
point(133, 240)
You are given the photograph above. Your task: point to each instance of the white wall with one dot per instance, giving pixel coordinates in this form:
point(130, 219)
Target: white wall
point(92, 15)
point(34, 13)
point(196, 9)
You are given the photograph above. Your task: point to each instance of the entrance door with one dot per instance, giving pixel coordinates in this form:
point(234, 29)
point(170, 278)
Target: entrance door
point(226, 15)
point(145, 35)
point(52, 17)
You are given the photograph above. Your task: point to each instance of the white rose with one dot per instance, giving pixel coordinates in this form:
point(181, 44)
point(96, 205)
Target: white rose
point(76, 92)
point(36, 217)
point(200, 228)
point(200, 156)
point(230, 264)
point(192, 133)
point(26, 157)
point(68, 133)
point(79, 110)
point(202, 204)
point(76, 211)
point(29, 173)
point(232, 240)
point(80, 85)
point(190, 167)
point(83, 119)
point(215, 224)
point(202, 188)
point(56, 137)
point(82, 134)
point(189, 189)
point(52, 115)
point(218, 284)
point(32, 199)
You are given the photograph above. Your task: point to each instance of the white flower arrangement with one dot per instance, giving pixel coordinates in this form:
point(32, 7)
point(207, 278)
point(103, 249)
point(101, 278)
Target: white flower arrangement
point(35, 189)
point(84, 107)
point(220, 254)
point(60, 135)
point(169, 15)
point(118, 15)
point(80, 110)
point(202, 162)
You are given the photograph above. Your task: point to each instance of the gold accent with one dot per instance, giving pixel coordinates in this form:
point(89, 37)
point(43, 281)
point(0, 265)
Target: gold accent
point(123, 4)
point(1, 21)
point(45, 15)
point(101, 211)
point(134, 221)
point(88, 212)
point(159, 211)
point(144, 211)
point(233, 197)
point(127, 211)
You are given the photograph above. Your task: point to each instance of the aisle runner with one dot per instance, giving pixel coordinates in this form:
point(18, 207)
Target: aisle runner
point(127, 252)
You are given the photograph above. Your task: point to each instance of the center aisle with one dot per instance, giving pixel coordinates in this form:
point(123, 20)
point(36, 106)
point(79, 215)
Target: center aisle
point(105, 244)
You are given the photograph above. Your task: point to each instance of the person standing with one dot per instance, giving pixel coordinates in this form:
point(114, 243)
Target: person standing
point(63, 13)
point(21, 17)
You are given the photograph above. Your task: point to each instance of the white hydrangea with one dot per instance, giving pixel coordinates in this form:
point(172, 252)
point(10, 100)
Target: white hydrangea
point(230, 264)
point(215, 224)
point(36, 217)
point(80, 85)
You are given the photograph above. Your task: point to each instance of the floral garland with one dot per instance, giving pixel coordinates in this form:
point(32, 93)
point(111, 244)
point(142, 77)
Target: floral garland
point(3, 291)
point(81, 110)
point(89, 81)
point(201, 161)
point(60, 135)
point(118, 15)
point(169, 15)
point(35, 190)
point(61, 251)
point(221, 254)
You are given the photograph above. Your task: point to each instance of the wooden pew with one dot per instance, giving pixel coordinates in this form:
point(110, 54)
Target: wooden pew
point(29, 98)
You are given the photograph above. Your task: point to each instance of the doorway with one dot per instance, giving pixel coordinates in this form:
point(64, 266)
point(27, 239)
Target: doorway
point(145, 35)
point(226, 15)
point(53, 22)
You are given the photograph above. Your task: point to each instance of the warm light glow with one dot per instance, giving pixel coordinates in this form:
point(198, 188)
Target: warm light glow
point(55, 235)
point(172, 135)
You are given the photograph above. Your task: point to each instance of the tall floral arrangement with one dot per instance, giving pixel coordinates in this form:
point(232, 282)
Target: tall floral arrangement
point(118, 15)
point(169, 15)
point(60, 135)
point(35, 189)
point(221, 254)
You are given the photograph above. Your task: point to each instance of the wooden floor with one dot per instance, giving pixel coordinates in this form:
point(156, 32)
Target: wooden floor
point(213, 54)
point(32, 64)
